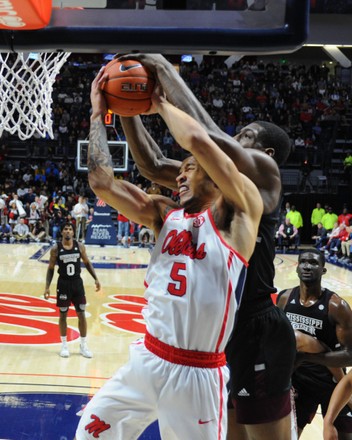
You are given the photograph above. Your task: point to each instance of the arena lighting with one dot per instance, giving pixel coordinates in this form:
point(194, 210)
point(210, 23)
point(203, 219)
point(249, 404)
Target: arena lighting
point(322, 45)
point(336, 54)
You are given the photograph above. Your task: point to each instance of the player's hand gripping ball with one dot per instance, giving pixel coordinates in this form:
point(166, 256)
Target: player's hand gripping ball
point(128, 88)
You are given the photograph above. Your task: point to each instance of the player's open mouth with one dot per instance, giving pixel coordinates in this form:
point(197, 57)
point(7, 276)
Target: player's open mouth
point(182, 189)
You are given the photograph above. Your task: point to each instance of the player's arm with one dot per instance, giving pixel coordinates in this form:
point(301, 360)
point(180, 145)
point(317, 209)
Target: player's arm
point(237, 190)
point(50, 270)
point(340, 312)
point(89, 265)
point(146, 153)
point(260, 168)
point(339, 398)
point(177, 91)
point(125, 197)
point(191, 136)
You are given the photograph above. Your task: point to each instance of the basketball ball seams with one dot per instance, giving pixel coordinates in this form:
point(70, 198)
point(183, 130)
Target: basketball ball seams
point(128, 98)
point(128, 87)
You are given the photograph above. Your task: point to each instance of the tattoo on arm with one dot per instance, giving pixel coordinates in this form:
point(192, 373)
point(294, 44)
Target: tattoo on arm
point(98, 151)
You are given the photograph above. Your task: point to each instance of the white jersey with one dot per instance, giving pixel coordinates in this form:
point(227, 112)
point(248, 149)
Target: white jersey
point(194, 287)
point(194, 284)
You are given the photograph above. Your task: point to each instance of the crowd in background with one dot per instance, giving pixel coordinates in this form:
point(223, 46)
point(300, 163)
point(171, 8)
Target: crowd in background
point(331, 233)
point(310, 103)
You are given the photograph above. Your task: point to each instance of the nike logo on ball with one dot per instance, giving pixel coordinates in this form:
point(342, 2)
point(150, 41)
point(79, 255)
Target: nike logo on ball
point(124, 68)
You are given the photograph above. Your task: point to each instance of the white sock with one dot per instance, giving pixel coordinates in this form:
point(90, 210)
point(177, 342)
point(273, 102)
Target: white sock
point(83, 340)
point(64, 340)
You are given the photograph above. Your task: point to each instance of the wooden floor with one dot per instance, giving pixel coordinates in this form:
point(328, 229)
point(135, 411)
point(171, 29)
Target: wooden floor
point(35, 381)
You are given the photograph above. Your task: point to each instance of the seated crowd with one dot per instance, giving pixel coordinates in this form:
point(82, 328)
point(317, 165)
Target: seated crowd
point(309, 102)
point(33, 210)
point(331, 233)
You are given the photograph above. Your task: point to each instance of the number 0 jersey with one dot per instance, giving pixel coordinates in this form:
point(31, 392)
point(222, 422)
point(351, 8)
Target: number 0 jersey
point(194, 284)
point(69, 261)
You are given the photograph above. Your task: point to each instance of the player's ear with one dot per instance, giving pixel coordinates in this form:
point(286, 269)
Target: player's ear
point(270, 151)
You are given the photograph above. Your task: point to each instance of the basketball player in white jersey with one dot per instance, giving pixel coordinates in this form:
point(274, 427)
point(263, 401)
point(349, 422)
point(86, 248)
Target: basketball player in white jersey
point(177, 373)
point(262, 348)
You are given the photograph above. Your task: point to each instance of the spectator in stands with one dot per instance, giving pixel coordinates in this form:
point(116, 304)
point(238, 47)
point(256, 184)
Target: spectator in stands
point(3, 209)
point(52, 175)
point(329, 219)
point(27, 177)
point(334, 242)
point(21, 231)
point(306, 169)
point(296, 219)
point(19, 205)
point(146, 235)
point(38, 233)
point(287, 235)
point(90, 216)
point(21, 191)
point(5, 232)
point(320, 237)
point(34, 216)
point(55, 223)
point(80, 213)
point(346, 245)
point(13, 214)
point(317, 215)
point(30, 195)
point(41, 201)
point(345, 217)
point(123, 230)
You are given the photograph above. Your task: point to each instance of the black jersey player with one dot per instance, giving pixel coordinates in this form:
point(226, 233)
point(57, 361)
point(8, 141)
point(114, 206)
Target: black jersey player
point(318, 316)
point(68, 254)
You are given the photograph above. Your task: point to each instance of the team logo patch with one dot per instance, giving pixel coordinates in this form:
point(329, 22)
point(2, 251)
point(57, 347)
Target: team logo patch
point(197, 223)
point(63, 296)
point(101, 203)
point(97, 426)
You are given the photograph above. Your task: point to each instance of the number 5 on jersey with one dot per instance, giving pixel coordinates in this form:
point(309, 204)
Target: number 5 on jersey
point(179, 287)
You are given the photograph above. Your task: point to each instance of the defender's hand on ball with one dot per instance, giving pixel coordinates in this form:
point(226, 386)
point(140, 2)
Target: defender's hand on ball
point(151, 61)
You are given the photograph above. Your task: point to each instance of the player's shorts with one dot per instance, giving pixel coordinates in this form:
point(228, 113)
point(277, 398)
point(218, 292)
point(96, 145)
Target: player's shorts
point(307, 400)
point(261, 355)
point(188, 402)
point(70, 291)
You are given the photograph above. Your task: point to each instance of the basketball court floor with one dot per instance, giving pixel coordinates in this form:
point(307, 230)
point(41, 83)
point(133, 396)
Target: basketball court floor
point(42, 393)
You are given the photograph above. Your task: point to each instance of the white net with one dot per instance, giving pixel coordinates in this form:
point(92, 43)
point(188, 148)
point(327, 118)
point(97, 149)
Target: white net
point(26, 85)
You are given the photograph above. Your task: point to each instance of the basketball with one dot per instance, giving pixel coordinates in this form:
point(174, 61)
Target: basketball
point(128, 88)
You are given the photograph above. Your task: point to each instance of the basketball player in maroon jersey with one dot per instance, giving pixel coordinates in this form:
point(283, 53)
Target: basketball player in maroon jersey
point(68, 254)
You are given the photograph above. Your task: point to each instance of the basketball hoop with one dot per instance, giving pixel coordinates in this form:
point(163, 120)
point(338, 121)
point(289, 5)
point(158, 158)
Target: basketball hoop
point(26, 85)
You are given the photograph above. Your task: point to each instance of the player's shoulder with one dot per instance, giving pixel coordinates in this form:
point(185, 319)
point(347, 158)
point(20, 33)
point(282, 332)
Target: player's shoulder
point(80, 246)
point(335, 300)
point(283, 296)
point(54, 249)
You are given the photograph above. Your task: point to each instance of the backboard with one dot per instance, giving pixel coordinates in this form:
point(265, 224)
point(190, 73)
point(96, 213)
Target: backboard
point(222, 27)
point(118, 151)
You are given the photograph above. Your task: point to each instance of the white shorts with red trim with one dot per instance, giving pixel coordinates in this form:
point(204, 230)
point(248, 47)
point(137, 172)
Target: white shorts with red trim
point(189, 402)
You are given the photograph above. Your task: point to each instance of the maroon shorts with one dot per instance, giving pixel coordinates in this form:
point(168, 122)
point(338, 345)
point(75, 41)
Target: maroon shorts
point(70, 291)
point(260, 355)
